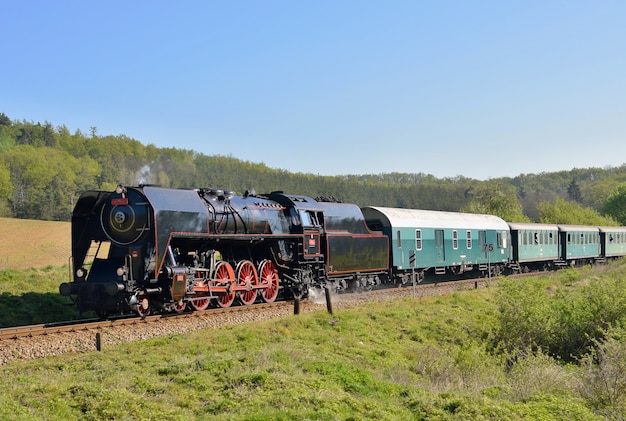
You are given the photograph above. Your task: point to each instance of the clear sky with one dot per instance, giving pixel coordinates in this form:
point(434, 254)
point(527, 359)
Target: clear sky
point(481, 89)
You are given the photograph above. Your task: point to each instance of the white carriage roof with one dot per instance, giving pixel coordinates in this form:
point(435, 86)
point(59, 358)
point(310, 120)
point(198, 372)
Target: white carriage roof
point(584, 228)
point(414, 218)
point(612, 229)
point(531, 226)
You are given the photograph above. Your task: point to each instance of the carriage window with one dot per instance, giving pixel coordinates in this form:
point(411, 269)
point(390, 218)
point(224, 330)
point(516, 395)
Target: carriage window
point(468, 239)
point(551, 237)
point(418, 239)
point(501, 239)
point(399, 240)
point(569, 238)
point(455, 239)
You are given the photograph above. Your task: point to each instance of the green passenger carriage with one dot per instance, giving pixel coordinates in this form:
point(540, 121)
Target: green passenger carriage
point(579, 244)
point(434, 242)
point(534, 245)
point(613, 241)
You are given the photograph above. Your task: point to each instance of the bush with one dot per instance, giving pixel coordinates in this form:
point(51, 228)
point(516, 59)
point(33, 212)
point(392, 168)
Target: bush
point(535, 373)
point(603, 374)
point(562, 318)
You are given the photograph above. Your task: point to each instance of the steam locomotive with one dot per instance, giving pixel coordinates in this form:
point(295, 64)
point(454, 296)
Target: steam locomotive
point(151, 249)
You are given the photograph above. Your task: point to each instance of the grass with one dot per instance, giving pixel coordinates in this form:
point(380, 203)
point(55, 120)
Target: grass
point(26, 243)
point(31, 296)
point(34, 258)
point(407, 360)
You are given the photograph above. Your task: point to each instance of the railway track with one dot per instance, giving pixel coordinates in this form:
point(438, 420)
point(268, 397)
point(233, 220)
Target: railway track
point(38, 341)
point(98, 324)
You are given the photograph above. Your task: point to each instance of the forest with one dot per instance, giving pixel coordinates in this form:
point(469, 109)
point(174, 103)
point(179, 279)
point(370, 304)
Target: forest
point(44, 169)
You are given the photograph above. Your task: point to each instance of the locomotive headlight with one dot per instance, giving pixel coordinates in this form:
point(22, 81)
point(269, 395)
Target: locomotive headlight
point(81, 273)
point(120, 271)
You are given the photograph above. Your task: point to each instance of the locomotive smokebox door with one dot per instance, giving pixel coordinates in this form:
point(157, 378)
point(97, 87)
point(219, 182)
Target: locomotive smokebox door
point(179, 283)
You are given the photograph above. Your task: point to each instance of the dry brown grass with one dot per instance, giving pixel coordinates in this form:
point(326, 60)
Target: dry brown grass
point(26, 243)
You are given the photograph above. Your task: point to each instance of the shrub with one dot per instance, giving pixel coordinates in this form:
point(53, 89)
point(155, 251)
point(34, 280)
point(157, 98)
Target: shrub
point(603, 374)
point(535, 373)
point(562, 320)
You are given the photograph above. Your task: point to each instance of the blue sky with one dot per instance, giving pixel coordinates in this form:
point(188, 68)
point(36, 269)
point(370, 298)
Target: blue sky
point(481, 89)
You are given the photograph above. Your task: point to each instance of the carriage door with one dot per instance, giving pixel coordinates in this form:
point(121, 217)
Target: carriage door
point(439, 246)
point(482, 239)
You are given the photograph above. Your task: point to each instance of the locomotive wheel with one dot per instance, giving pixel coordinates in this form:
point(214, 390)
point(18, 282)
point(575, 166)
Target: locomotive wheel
point(247, 278)
point(199, 304)
point(224, 271)
point(268, 276)
point(143, 307)
point(179, 306)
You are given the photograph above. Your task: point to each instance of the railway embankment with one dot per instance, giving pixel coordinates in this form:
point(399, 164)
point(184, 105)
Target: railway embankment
point(461, 355)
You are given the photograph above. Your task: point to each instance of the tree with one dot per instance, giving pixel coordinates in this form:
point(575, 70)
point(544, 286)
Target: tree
point(615, 205)
point(573, 192)
point(563, 212)
point(50, 137)
point(6, 189)
point(496, 198)
point(4, 120)
point(45, 181)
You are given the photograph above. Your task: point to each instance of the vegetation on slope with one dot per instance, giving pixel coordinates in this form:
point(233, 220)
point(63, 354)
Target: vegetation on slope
point(455, 357)
point(43, 170)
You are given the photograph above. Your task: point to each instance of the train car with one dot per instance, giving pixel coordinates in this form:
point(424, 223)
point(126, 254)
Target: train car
point(579, 244)
point(534, 246)
point(613, 241)
point(433, 242)
point(150, 248)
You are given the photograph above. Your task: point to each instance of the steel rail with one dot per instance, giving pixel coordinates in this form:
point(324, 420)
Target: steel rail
point(95, 324)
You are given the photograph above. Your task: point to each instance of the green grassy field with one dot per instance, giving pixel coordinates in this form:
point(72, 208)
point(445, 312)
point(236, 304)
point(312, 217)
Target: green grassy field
point(440, 358)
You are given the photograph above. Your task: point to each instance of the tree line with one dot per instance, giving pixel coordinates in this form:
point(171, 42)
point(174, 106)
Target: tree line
point(44, 169)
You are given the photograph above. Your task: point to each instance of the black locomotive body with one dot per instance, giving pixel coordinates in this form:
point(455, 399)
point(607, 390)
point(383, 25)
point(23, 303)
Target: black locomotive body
point(147, 247)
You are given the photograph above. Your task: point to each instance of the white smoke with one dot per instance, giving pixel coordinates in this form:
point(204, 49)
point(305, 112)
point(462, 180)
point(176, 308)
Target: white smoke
point(318, 296)
point(144, 175)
